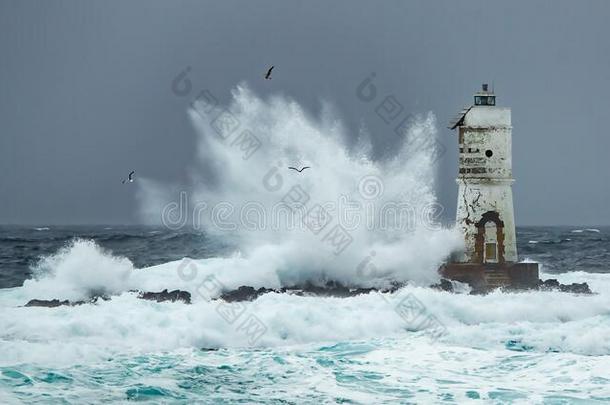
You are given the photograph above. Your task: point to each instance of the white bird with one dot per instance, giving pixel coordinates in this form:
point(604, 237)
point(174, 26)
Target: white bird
point(129, 178)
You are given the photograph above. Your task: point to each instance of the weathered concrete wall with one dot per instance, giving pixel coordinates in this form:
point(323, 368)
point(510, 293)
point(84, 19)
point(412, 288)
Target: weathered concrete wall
point(485, 179)
point(476, 200)
point(488, 116)
point(486, 277)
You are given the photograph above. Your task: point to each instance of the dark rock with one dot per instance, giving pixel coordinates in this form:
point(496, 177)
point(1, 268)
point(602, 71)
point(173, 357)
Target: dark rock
point(57, 303)
point(444, 285)
point(172, 296)
point(245, 293)
point(331, 289)
point(47, 303)
point(550, 284)
point(577, 288)
point(554, 285)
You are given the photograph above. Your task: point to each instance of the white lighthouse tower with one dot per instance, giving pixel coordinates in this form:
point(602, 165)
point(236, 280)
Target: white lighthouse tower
point(485, 201)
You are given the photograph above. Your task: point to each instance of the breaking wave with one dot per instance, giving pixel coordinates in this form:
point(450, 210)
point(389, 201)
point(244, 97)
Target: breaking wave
point(347, 218)
point(528, 321)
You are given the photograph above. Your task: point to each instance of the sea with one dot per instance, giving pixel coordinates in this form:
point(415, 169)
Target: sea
point(416, 345)
point(242, 217)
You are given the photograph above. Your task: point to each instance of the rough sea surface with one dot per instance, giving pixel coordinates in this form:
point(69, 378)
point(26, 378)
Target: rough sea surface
point(530, 347)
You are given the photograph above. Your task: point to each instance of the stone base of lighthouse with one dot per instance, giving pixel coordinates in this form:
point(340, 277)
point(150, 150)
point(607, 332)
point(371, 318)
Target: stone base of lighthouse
point(484, 277)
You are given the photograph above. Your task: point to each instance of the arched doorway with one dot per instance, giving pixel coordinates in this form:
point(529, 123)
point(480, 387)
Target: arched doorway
point(489, 244)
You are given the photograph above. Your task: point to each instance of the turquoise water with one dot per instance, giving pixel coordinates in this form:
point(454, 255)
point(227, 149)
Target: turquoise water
point(375, 371)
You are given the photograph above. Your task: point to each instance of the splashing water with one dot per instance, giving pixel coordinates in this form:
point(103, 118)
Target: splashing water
point(79, 271)
point(347, 218)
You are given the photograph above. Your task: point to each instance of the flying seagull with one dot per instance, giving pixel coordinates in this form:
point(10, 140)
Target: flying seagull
point(268, 75)
point(129, 178)
point(294, 168)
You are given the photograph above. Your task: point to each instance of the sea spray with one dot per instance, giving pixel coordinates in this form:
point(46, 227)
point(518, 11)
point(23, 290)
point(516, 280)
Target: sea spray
point(79, 271)
point(318, 225)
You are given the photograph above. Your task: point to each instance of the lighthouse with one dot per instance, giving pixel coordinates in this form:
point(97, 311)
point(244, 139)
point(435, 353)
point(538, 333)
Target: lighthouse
point(485, 214)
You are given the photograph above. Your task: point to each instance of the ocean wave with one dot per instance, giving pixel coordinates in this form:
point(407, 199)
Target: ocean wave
point(549, 242)
point(490, 338)
point(79, 270)
point(541, 321)
point(25, 239)
point(568, 323)
point(594, 230)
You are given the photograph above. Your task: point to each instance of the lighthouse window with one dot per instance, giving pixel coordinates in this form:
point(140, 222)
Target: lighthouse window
point(489, 153)
point(485, 100)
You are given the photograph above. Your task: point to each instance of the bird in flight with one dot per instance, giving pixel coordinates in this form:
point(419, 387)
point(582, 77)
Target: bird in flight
point(268, 75)
point(299, 170)
point(129, 178)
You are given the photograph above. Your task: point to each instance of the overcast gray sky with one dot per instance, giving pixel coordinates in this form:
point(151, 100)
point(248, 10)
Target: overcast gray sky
point(85, 90)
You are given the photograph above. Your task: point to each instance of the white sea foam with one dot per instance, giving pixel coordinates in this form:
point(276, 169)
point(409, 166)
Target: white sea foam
point(537, 321)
